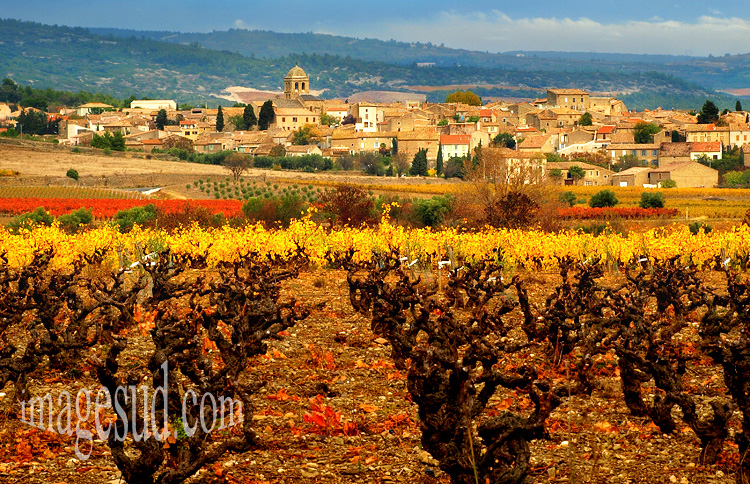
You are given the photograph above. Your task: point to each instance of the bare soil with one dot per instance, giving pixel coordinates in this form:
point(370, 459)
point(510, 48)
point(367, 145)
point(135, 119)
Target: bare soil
point(45, 164)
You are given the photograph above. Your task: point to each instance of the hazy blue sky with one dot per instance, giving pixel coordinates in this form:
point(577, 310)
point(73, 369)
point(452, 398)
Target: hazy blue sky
point(635, 26)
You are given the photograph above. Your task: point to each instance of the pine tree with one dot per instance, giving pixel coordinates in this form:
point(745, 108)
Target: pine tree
point(709, 113)
point(394, 146)
point(220, 121)
point(738, 106)
point(265, 117)
point(439, 162)
point(248, 115)
point(419, 164)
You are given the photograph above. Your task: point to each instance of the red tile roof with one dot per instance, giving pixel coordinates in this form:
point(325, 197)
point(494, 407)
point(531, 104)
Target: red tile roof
point(605, 129)
point(455, 139)
point(705, 146)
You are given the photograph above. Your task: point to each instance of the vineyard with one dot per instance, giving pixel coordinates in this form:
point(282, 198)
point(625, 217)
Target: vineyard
point(57, 192)
point(521, 249)
point(382, 355)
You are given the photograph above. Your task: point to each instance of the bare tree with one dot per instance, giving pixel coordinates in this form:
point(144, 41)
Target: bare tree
point(237, 164)
point(507, 186)
point(400, 163)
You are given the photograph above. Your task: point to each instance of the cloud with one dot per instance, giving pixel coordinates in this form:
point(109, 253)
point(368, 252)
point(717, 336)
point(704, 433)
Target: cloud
point(497, 32)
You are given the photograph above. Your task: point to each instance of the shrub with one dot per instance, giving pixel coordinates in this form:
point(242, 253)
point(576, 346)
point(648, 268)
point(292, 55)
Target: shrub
point(669, 183)
point(567, 198)
point(125, 219)
point(31, 219)
point(695, 227)
point(75, 219)
point(604, 198)
point(72, 174)
point(651, 200)
point(350, 205)
point(431, 212)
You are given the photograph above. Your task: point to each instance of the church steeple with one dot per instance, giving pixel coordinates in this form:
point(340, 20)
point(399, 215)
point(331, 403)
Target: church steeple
point(296, 83)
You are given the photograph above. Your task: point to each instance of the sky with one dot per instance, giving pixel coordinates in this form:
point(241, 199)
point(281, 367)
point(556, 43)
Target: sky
point(689, 27)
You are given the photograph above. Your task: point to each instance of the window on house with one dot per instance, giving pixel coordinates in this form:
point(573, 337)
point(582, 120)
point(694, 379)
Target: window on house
point(283, 120)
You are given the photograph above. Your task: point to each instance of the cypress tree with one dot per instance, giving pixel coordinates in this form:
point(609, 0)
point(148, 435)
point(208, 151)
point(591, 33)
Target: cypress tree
point(248, 115)
point(161, 119)
point(265, 117)
point(220, 120)
point(439, 162)
point(419, 164)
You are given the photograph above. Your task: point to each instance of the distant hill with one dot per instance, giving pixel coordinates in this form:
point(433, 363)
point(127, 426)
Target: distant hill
point(725, 72)
point(195, 68)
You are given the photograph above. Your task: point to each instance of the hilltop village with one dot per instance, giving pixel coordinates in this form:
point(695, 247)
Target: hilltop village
point(570, 127)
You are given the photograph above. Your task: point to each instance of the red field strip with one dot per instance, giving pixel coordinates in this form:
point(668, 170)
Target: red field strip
point(107, 208)
point(586, 213)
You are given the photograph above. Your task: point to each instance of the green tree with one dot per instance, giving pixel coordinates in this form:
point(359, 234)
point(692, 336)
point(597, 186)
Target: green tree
point(102, 142)
point(576, 173)
point(443, 122)
point(220, 121)
point(651, 200)
point(627, 161)
point(504, 139)
point(568, 198)
point(34, 122)
point(118, 142)
point(10, 92)
point(466, 97)
point(604, 198)
point(419, 164)
point(72, 174)
point(556, 174)
point(161, 119)
point(585, 120)
point(439, 162)
point(265, 117)
point(394, 146)
point(709, 113)
point(328, 120)
point(248, 115)
point(305, 135)
point(738, 106)
point(644, 132)
point(36, 102)
point(238, 122)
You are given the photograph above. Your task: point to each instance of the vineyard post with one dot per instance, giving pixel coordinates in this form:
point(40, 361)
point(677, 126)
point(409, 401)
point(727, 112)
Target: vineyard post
point(451, 258)
point(440, 268)
point(408, 263)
